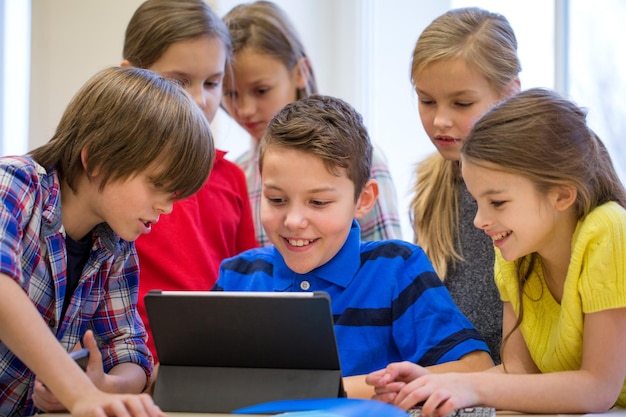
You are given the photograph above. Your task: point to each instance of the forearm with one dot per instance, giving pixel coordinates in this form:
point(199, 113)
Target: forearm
point(127, 378)
point(356, 387)
point(24, 332)
point(558, 392)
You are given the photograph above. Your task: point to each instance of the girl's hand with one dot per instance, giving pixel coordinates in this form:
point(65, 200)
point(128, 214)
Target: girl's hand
point(440, 393)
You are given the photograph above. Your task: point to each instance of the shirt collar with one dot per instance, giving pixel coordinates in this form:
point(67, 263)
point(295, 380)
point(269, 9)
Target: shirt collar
point(340, 270)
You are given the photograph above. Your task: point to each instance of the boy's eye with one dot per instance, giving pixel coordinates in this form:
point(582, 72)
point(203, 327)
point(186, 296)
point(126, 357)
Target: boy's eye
point(426, 102)
point(464, 104)
point(319, 203)
point(261, 91)
point(497, 203)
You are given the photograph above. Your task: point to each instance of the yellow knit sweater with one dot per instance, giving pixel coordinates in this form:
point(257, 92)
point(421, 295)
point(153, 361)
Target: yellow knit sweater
point(596, 281)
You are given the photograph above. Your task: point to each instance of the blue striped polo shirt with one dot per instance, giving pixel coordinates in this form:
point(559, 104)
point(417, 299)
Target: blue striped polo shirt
point(388, 303)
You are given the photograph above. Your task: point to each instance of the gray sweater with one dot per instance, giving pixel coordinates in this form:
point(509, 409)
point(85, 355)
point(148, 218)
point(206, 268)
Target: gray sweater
point(471, 283)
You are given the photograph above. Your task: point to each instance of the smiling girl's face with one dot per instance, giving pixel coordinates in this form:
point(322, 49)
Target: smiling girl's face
point(511, 210)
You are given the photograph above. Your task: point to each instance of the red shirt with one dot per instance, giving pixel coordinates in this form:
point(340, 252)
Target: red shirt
point(184, 249)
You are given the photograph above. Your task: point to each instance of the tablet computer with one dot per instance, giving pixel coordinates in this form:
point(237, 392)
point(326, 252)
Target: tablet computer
point(220, 351)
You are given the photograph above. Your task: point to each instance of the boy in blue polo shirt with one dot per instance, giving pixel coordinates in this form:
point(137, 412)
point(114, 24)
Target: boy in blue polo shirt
point(388, 303)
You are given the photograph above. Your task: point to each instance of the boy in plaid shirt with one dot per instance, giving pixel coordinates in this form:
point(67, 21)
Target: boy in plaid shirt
point(127, 146)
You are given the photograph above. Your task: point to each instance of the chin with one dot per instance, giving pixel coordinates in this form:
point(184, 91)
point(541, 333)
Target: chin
point(301, 269)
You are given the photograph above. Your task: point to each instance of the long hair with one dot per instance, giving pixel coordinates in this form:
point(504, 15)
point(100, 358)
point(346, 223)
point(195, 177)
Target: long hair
point(486, 42)
point(128, 120)
point(544, 137)
point(157, 24)
point(264, 27)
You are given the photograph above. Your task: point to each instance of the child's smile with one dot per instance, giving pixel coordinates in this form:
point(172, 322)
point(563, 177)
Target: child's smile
point(307, 214)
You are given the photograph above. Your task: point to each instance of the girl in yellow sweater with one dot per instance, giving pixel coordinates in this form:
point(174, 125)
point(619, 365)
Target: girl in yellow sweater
point(549, 198)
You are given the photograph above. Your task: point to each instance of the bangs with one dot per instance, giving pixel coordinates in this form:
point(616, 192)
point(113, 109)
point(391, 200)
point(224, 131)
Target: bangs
point(182, 172)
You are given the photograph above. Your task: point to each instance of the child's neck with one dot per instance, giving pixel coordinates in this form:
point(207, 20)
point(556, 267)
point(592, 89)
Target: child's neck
point(555, 259)
point(554, 276)
point(74, 213)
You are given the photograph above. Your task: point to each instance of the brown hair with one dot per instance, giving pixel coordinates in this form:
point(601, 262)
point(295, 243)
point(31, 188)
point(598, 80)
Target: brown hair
point(128, 120)
point(543, 137)
point(157, 24)
point(486, 42)
point(264, 27)
point(328, 128)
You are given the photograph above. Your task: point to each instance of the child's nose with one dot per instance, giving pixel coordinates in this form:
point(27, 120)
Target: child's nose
point(199, 97)
point(295, 219)
point(246, 106)
point(442, 118)
point(165, 207)
point(481, 221)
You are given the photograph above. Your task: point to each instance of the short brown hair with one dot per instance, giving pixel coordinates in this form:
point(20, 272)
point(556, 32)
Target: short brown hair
point(128, 120)
point(328, 128)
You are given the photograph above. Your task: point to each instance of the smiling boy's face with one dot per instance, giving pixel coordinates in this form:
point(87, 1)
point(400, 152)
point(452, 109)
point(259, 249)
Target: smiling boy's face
point(306, 211)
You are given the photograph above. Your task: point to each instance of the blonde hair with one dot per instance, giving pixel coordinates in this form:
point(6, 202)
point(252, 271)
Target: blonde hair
point(486, 42)
point(265, 28)
point(543, 137)
point(129, 120)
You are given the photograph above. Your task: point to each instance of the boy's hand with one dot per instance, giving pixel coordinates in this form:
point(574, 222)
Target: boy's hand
point(95, 370)
point(45, 400)
point(389, 381)
point(116, 405)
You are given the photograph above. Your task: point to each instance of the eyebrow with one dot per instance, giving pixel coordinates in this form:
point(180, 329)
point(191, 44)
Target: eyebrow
point(489, 192)
point(454, 94)
point(178, 73)
point(311, 191)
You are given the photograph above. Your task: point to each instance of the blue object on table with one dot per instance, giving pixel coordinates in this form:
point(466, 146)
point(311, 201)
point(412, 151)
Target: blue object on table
point(326, 407)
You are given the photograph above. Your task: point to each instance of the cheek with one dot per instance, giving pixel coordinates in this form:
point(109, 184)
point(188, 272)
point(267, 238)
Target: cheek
point(212, 106)
point(268, 213)
point(466, 123)
point(280, 99)
point(426, 117)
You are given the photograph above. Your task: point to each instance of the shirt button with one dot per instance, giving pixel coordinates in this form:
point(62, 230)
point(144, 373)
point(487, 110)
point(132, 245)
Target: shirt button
point(305, 285)
point(52, 322)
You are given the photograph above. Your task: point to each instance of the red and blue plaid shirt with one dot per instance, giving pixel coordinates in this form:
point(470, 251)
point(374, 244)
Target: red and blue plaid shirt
point(33, 253)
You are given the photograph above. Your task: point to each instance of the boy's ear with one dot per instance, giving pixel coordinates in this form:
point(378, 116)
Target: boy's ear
point(83, 160)
point(367, 199)
point(564, 197)
point(125, 63)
